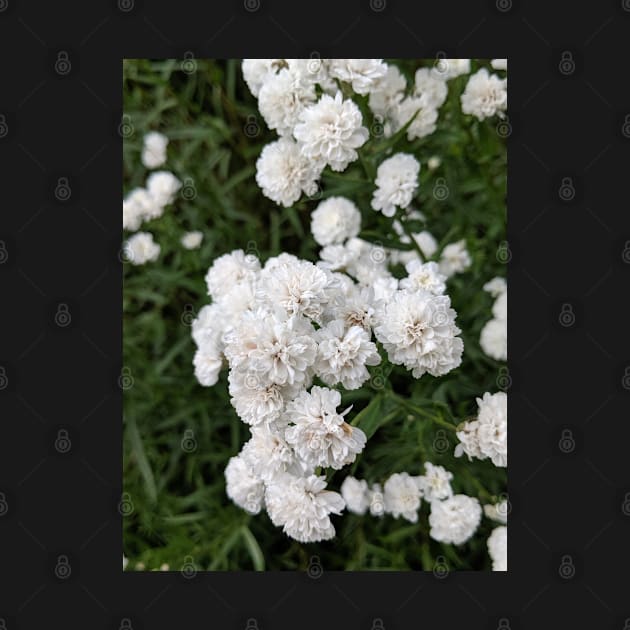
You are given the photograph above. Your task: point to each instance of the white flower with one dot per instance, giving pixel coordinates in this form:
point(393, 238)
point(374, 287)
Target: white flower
point(402, 497)
point(163, 187)
point(283, 173)
point(435, 484)
point(496, 286)
point(298, 286)
point(418, 331)
point(433, 162)
point(499, 309)
point(424, 122)
point(138, 205)
point(486, 437)
point(497, 548)
point(154, 149)
point(430, 87)
point(243, 487)
point(363, 74)
point(388, 92)
point(140, 248)
point(343, 354)
point(493, 339)
point(278, 350)
point(255, 400)
point(282, 98)
point(302, 507)
point(455, 258)
point(356, 494)
point(318, 434)
point(257, 71)
point(268, 455)
point(335, 220)
point(497, 512)
point(499, 64)
point(485, 95)
point(425, 276)
point(451, 68)
point(396, 181)
point(454, 520)
point(192, 240)
point(330, 131)
point(229, 270)
point(357, 307)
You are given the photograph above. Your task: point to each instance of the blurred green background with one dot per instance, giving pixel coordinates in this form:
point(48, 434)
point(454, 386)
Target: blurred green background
point(176, 485)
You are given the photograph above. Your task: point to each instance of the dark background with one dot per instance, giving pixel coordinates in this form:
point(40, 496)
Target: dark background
point(569, 239)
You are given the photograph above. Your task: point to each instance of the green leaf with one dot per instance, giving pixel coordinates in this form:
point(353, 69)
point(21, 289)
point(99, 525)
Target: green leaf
point(141, 458)
point(254, 549)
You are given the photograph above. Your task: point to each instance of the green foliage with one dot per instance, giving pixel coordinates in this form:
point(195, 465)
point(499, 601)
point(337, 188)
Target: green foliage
point(178, 494)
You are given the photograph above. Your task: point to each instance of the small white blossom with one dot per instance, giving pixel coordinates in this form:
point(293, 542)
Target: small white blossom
point(388, 92)
point(208, 363)
point(486, 437)
point(330, 131)
point(363, 74)
point(192, 240)
point(424, 123)
point(302, 507)
point(256, 72)
point(499, 64)
point(402, 497)
point(425, 276)
point(268, 455)
point(356, 494)
point(496, 286)
point(454, 520)
point(485, 95)
point(454, 259)
point(230, 270)
point(430, 87)
point(141, 248)
point(284, 173)
point(335, 220)
point(243, 487)
point(396, 183)
point(163, 187)
point(435, 484)
point(154, 149)
point(497, 512)
point(318, 434)
point(497, 548)
point(450, 68)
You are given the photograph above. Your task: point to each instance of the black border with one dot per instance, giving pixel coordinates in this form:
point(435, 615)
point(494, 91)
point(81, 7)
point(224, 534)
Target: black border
point(564, 251)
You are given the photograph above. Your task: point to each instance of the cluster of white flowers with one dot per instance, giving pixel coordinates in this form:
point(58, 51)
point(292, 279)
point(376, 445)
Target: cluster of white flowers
point(154, 149)
point(485, 95)
point(141, 248)
point(486, 436)
point(493, 339)
point(149, 202)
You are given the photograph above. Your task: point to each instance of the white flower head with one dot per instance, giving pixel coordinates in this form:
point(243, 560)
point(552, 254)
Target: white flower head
point(497, 548)
point(402, 497)
point(363, 74)
point(302, 507)
point(256, 72)
point(284, 173)
point(243, 487)
point(448, 69)
point(454, 520)
point(343, 354)
point(396, 183)
point(276, 348)
point(356, 494)
point(319, 435)
point(388, 92)
point(141, 248)
point(485, 95)
point(424, 276)
point(499, 308)
point(268, 455)
point(230, 270)
point(435, 484)
point(424, 123)
point(493, 339)
point(499, 64)
point(154, 149)
point(138, 206)
point(455, 258)
point(335, 220)
point(192, 240)
point(163, 186)
point(486, 437)
point(418, 331)
point(430, 87)
point(208, 363)
point(282, 98)
point(297, 286)
point(496, 286)
point(330, 131)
